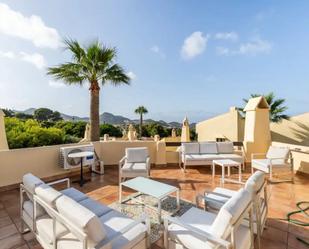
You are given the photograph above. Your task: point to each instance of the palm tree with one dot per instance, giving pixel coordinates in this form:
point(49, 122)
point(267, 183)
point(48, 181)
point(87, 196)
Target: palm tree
point(93, 64)
point(276, 107)
point(141, 110)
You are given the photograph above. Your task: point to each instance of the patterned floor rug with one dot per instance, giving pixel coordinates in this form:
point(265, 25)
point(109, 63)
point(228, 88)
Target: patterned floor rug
point(133, 208)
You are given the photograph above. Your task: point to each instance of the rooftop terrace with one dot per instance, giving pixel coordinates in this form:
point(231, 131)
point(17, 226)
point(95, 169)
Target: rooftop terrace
point(279, 234)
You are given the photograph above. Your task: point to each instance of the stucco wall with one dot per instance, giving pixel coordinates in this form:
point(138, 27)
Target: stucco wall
point(43, 161)
point(229, 125)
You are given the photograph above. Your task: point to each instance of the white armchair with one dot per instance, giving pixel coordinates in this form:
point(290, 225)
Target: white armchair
point(135, 163)
point(276, 159)
point(197, 228)
point(256, 186)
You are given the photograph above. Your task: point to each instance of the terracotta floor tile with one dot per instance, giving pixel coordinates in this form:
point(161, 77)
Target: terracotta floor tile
point(4, 221)
point(271, 244)
point(7, 231)
point(294, 242)
point(12, 241)
point(275, 234)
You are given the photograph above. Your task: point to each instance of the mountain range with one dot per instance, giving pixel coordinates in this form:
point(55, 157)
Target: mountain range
point(110, 118)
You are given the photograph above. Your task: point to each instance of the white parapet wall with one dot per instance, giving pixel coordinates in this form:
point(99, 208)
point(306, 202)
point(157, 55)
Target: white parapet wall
point(300, 156)
point(44, 161)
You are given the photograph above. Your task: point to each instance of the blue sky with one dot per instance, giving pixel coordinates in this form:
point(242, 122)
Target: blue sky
point(185, 58)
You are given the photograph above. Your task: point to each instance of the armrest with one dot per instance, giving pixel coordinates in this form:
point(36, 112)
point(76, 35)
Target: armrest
point(142, 219)
point(215, 193)
point(122, 160)
point(67, 180)
point(148, 162)
point(199, 232)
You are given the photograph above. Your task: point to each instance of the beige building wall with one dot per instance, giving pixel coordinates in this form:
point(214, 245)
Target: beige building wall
point(294, 131)
point(229, 125)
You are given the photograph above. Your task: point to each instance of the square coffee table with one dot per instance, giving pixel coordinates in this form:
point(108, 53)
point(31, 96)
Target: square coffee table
point(226, 163)
point(149, 187)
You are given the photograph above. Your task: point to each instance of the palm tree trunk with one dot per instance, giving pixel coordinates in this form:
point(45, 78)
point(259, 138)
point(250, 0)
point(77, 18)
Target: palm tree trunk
point(94, 111)
point(140, 126)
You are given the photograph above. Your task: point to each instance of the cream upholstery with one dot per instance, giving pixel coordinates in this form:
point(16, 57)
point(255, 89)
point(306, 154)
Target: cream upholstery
point(277, 158)
point(48, 194)
point(204, 153)
point(217, 225)
point(94, 206)
point(74, 194)
point(82, 218)
point(135, 163)
point(31, 182)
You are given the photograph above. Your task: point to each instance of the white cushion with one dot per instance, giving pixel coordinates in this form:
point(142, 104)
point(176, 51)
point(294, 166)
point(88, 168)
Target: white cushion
point(81, 217)
point(140, 167)
point(191, 148)
point(114, 222)
point(258, 179)
point(45, 229)
point(28, 208)
point(225, 147)
point(74, 194)
point(31, 182)
point(215, 201)
point(48, 194)
point(198, 157)
point(230, 212)
point(208, 148)
point(278, 152)
point(94, 206)
point(234, 157)
point(136, 155)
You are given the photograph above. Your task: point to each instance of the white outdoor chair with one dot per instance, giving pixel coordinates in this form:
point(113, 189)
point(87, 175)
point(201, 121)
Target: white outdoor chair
point(199, 229)
point(135, 163)
point(256, 185)
point(277, 159)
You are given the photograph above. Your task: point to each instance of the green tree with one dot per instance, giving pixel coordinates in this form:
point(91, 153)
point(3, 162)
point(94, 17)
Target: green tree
point(23, 116)
point(42, 114)
point(141, 110)
point(277, 108)
point(111, 130)
point(8, 112)
point(93, 64)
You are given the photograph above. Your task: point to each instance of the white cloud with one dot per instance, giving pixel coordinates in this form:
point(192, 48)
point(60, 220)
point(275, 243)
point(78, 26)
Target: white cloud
point(31, 28)
point(232, 36)
point(194, 45)
point(254, 47)
point(131, 75)
point(56, 84)
point(35, 59)
point(158, 51)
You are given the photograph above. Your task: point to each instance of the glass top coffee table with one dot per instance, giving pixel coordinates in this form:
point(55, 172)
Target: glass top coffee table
point(149, 187)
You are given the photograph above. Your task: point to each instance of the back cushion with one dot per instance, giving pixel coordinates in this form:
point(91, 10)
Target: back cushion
point(31, 182)
point(48, 194)
point(208, 148)
point(225, 147)
point(191, 148)
point(278, 152)
point(229, 213)
point(82, 218)
point(136, 155)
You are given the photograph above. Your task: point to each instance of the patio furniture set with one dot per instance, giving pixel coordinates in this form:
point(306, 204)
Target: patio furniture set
point(70, 219)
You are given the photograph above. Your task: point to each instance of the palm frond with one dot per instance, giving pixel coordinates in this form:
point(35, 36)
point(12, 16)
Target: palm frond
point(115, 75)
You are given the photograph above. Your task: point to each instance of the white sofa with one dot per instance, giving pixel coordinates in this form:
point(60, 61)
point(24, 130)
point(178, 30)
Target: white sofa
point(69, 219)
point(203, 153)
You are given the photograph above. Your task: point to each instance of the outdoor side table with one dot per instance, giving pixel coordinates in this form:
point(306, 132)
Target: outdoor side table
point(81, 155)
point(227, 163)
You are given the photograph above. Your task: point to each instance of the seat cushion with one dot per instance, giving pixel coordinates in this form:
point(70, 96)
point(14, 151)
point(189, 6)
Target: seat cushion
point(45, 229)
point(225, 147)
point(74, 194)
point(136, 155)
point(208, 148)
point(28, 208)
point(96, 207)
point(198, 219)
point(48, 194)
point(261, 164)
point(114, 221)
point(234, 157)
point(191, 148)
point(31, 182)
point(137, 167)
point(215, 201)
point(201, 157)
point(81, 217)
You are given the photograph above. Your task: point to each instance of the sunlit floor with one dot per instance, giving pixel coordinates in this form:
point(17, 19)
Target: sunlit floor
point(282, 199)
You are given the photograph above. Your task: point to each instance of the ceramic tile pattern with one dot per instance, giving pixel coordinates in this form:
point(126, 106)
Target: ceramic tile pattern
point(282, 199)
